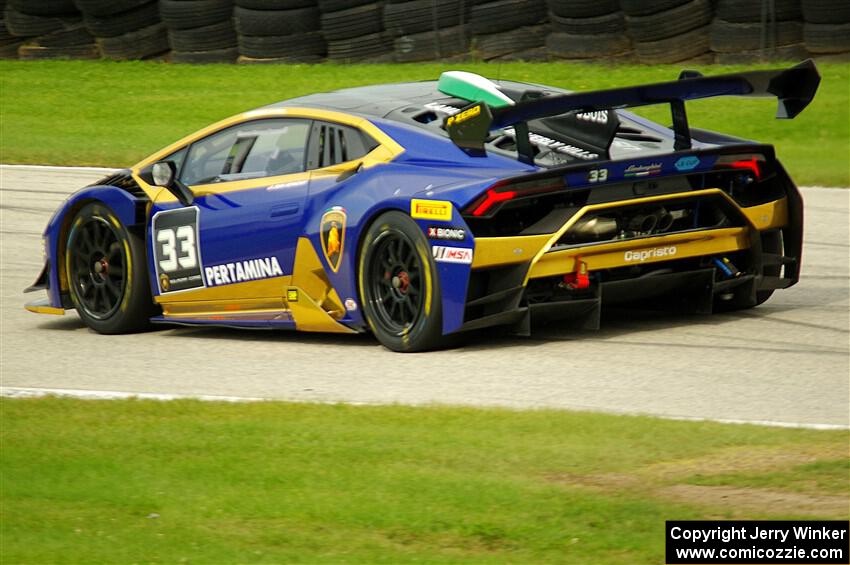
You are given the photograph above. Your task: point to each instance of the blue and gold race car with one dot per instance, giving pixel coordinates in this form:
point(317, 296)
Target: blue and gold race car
point(422, 210)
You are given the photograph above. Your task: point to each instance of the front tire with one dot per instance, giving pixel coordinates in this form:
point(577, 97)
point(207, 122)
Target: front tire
point(399, 286)
point(107, 279)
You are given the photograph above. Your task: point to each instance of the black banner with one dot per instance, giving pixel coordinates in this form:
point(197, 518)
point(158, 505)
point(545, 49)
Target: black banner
point(821, 542)
point(176, 249)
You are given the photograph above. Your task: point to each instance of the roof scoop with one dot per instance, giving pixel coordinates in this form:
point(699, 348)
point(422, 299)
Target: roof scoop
point(472, 87)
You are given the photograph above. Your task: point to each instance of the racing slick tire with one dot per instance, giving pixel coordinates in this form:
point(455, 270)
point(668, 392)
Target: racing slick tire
point(107, 278)
point(398, 285)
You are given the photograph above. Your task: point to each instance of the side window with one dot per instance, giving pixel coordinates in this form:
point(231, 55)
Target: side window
point(178, 157)
point(331, 144)
point(261, 148)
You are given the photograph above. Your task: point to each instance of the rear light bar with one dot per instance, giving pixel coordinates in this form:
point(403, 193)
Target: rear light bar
point(504, 191)
point(753, 163)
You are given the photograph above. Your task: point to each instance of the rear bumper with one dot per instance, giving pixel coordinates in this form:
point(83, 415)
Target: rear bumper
point(673, 271)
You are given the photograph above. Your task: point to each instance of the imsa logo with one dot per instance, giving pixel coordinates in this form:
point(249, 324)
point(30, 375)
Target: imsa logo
point(646, 254)
point(462, 255)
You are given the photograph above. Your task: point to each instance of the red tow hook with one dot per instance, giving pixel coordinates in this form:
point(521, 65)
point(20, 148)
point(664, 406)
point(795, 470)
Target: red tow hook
point(580, 279)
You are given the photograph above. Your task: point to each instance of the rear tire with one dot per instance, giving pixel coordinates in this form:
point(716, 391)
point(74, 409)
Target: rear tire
point(107, 278)
point(399, 287)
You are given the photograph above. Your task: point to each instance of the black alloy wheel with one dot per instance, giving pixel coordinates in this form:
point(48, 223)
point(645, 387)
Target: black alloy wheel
point(399, 285)
point(396, 282)
point(98, 270)
point(107, 276)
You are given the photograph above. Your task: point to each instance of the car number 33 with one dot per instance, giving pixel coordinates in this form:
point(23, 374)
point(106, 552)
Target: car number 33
point(170, 242)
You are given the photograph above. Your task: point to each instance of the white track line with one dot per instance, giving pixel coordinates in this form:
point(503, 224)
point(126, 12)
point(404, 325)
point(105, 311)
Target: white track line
point(29, 392)
point(55, 168)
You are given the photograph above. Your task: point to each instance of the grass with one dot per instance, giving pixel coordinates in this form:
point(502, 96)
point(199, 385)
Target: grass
point(114, 114)
point(185, 481)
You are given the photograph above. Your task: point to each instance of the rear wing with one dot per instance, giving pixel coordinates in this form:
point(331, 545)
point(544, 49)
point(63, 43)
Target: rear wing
point(794, 89)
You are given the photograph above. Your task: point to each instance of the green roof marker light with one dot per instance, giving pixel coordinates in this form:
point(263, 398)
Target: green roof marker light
point(472, 87)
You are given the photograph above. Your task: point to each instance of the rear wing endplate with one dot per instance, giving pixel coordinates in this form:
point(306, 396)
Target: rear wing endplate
point(794, 89)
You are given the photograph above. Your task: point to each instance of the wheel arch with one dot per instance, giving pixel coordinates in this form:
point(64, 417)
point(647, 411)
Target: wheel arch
point(365, 224)
point(130, 210)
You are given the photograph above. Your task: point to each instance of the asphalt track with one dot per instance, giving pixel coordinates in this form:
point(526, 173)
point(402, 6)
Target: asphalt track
point(786, 362)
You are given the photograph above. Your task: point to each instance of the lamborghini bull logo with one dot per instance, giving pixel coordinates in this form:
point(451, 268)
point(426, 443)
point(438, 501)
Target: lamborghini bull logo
point(332, 233)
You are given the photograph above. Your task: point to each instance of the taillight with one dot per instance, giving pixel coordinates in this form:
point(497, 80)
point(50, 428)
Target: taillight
point(492, 197)
point(504, 191)
point(752, 163)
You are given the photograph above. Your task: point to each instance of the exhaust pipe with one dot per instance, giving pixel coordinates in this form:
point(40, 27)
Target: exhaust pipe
point(643, 223)
point(597, 226)
point(665, 220)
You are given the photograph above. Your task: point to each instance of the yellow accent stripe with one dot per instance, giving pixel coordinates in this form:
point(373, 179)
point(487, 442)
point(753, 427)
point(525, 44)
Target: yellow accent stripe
point(616, 204)
point(612, 255)
point(769, 215)
point(250, 290)
point(224, 307)
point(387, 150)
point(316, 310)
point(45, 309)
point(310, 278)
point(310, 317)
point(495, 251)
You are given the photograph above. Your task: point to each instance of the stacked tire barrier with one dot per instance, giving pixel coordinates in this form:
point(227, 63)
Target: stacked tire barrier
point(507, 29)
point(748, 32)
point(45, 29)
point(425, 30)
point(200, 31)
point(125, 29)
point(826, 27)
point(669, 31)
point(587, 29)
point(279, 31)
point(312, 31)
point(354, 30)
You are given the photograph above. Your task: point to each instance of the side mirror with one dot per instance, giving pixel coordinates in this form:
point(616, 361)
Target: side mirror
point(164, 173)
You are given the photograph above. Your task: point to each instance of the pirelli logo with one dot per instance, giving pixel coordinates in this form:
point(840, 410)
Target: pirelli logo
point(431, 210)
point(463, 116)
